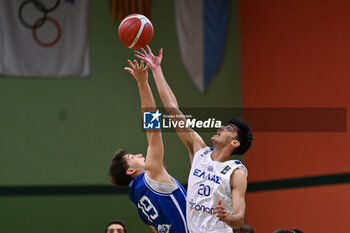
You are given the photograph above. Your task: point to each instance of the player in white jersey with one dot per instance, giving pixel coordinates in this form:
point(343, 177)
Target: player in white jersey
point(216, 184)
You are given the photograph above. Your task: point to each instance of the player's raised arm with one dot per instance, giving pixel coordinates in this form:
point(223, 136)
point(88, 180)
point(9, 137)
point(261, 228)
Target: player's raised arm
point(155, 150)
point(188, 136)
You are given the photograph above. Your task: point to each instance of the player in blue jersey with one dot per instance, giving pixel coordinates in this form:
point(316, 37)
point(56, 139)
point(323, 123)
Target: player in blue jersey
point(216, 184)
point(159, 198)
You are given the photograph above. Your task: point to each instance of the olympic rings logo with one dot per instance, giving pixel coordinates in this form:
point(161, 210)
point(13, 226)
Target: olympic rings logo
point(41, 21)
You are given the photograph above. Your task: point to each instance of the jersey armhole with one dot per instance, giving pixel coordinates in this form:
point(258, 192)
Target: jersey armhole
point(165, 188)
point(242, 168)
point(200, 150)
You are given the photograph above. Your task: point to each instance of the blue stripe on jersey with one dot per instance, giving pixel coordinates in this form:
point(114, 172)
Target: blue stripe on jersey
point(166, 212)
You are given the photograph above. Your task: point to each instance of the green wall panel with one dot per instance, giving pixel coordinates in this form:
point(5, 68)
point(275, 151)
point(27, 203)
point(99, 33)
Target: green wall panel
point(68, 214)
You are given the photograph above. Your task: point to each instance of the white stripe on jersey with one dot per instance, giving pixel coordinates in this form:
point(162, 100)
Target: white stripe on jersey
point(180, 211)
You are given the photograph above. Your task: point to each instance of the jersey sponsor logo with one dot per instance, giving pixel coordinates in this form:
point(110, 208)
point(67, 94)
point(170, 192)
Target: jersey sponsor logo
point(165, 228)
point(200, 208)
point(225, 170)
point(207, 176)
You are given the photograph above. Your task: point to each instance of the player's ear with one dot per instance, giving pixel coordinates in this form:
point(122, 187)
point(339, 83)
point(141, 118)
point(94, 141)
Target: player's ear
point(235, 143)
point(130, 171)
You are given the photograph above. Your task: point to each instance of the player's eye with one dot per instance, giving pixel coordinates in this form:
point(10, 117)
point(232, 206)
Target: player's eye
point(230, 128)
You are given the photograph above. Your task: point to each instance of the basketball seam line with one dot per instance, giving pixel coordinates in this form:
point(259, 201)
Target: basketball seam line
point(137, 37)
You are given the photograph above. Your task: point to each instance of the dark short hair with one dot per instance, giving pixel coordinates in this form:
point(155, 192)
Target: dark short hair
point(297, 230)
point(282, 231)
point(117, 169)
point(116, 222)
point(244, 136)
point(246, 229)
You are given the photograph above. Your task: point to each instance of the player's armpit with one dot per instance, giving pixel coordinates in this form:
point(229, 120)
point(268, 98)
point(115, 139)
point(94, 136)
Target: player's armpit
point(192, 141)
point(154, 160)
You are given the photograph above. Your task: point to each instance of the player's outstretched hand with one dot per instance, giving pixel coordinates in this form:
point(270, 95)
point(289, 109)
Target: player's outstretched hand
point(138, 71)
point(151, 60)
point(221, 212)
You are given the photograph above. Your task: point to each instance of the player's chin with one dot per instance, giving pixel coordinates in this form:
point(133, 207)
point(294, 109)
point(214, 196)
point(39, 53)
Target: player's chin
point(215, 139)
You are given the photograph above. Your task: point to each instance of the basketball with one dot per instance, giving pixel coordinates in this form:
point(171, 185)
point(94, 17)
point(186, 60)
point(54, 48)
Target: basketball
point(135, 31)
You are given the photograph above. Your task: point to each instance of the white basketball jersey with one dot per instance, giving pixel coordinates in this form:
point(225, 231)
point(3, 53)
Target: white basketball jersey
point(208, 182)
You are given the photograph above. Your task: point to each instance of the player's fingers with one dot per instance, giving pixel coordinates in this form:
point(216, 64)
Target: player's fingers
point(129, 70)
point(144, 51)
point(222, 216)
point(131, 64)
point(218, 209)
point(149, 49)
point(138, 53)
point(136, 64)
point(146, 67)
point(160, 54)
point(140, 57)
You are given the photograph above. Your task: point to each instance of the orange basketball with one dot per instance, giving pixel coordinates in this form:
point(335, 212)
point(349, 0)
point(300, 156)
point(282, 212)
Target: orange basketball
point(135, 31)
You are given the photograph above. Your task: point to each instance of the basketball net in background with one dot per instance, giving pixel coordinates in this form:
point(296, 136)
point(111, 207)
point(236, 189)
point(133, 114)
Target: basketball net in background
point(122, 8)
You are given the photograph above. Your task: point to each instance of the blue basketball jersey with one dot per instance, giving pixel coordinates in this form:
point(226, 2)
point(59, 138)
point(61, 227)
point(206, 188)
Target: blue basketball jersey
point(160, 205)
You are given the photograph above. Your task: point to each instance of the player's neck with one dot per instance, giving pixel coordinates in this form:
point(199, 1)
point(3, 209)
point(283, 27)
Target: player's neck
point(221, 154)
point(138, 172)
